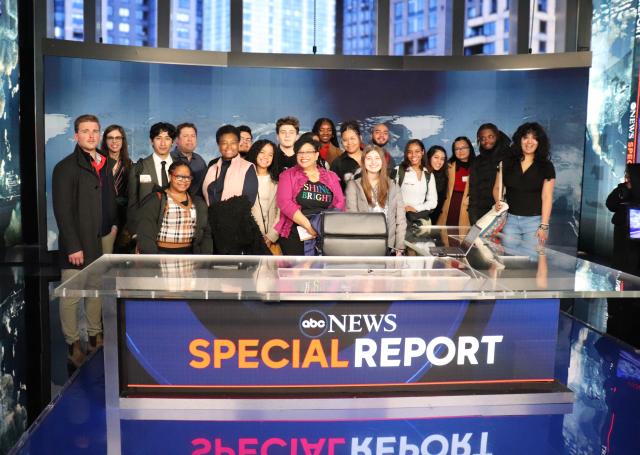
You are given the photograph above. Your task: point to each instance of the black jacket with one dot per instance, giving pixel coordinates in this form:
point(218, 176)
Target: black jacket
point(150, 217)
point(617, 202)
point(482, 176)
point(77, 206)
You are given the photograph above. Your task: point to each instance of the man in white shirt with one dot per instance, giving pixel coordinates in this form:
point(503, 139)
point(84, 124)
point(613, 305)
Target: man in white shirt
point(150, 173)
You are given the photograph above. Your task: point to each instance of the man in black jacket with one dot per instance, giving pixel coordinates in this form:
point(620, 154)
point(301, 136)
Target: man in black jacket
point(85, 210)
point(494, 147)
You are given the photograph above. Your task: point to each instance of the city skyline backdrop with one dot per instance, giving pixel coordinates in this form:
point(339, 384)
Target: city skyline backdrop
point(416, 27)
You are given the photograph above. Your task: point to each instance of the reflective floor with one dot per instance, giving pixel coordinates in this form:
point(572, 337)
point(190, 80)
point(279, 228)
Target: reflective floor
point(604, 375)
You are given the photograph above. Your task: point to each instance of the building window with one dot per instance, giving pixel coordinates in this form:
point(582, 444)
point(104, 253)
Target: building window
point(123, 12)
point(543, 27)
point(542, 5)
point(542, 46)
point(124, 27)
point(489, 29)
point(489, 48)
point(408, 48)
point(422, 45)
point(493, 7)
point(397, 10)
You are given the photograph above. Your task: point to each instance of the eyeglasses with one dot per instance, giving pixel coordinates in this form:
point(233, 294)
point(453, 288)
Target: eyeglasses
point(114, 138)
point(460, 149)
point(306, 152)
point(183, 178)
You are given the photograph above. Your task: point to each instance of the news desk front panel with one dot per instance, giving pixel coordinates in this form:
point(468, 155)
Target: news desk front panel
point(223, 348)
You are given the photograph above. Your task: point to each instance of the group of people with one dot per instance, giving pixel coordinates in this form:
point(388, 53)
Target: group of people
point(266, 198)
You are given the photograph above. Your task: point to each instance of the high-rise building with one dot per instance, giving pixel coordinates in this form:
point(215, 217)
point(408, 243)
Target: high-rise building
point(216, 25)
point(488, 24)
point(187, 24)
point(68, 19)
point(288, 26)
point(419, 27)
point(359, 27)
point(272, 26)
point(131, 23)
point(423, 27)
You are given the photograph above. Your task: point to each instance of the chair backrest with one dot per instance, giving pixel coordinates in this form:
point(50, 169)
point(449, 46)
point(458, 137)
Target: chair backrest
point(354, 234)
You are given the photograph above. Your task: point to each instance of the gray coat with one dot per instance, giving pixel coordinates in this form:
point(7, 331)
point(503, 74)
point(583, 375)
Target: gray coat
point(396, 219)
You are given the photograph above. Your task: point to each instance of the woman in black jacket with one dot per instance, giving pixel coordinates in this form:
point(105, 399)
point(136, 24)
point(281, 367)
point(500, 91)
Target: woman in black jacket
point(172, 221)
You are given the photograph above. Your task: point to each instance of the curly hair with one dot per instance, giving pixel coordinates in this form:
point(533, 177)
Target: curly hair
point(543, 152)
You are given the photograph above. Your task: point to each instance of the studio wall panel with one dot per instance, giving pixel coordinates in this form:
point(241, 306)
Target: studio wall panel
point(435, 106)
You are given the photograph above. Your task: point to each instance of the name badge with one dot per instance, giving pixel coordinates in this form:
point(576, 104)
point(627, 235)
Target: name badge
point(145, 178)
point(465, 178)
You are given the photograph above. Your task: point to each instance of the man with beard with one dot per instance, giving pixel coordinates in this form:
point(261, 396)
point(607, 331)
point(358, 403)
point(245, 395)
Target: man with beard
point(380, 137)
point(246, 140)
point(494, 146)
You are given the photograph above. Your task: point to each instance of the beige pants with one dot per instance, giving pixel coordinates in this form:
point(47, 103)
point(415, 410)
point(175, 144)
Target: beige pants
point(69, 312)
point(107, 243)
point(92, 305)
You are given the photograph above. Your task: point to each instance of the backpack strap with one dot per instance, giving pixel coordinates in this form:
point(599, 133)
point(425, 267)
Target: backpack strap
point(138, 172)
point(401, 171)
point(428, 174)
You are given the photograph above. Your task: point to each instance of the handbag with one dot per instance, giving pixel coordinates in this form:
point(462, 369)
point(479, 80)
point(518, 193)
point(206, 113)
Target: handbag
point(415, 217)
point(275, 249)
point(492, 222)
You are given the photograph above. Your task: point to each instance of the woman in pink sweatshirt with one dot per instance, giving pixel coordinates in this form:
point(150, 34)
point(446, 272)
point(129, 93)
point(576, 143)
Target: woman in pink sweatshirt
point(304, 191)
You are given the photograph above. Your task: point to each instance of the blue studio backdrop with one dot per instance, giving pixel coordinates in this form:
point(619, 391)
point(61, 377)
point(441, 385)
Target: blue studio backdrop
point(435, 106)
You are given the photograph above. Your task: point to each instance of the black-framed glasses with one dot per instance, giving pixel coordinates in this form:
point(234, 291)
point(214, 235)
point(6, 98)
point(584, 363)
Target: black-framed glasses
point(183, 178)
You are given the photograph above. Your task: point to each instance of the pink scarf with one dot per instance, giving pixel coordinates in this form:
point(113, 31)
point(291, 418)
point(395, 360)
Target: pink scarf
point(233, 179)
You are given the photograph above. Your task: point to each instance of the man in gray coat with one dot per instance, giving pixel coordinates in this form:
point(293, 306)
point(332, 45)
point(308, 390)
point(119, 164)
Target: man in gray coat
point(85, 210)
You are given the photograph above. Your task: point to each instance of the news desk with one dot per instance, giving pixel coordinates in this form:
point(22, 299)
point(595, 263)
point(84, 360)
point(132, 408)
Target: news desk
point(330, 338)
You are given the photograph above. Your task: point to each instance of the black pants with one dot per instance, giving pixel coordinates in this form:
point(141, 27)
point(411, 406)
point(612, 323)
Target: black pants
point(292, 246)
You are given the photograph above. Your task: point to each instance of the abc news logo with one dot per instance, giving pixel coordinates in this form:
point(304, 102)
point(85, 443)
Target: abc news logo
point(315, 323)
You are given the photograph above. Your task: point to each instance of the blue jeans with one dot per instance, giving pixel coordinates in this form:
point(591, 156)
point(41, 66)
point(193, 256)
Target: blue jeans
point(520, 233)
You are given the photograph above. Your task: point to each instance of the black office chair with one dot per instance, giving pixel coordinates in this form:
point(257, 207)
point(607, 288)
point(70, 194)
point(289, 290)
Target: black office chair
point(353, 234)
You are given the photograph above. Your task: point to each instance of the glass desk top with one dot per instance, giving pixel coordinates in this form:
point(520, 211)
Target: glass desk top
point(490, 270)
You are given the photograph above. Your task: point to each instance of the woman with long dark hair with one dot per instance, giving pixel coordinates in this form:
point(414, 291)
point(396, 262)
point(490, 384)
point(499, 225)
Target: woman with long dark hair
point(114, 143)
point(436, 160)
point(455, 210)
point(528, 178)
point(416, 183)
point(265, 210)
point(374, 191)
